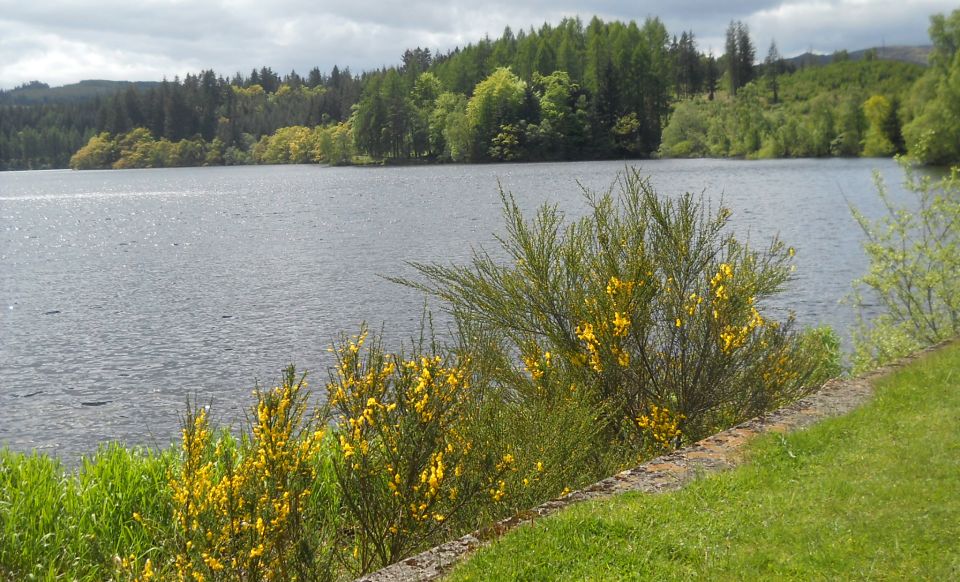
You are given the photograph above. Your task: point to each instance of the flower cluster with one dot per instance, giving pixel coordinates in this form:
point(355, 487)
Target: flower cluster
point(662, 427)
point(406, 465)
point(736, 327)
point(536, 363)
point(613, 317)
point(734, 336)
point(241, 507)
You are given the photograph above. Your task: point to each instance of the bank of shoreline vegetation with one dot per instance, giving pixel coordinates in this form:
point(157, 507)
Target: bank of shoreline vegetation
point(599, 344)
point(607, 90)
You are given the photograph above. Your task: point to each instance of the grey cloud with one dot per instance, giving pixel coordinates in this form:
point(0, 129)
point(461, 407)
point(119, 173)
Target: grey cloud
point(159, 38)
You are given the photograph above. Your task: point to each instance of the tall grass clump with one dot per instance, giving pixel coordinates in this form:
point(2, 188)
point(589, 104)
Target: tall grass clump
point(84, 522)
point(914, 272)
point(647, 311)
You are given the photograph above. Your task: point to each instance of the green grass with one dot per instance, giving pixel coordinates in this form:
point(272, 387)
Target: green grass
point(55, 522)
point(872, 495)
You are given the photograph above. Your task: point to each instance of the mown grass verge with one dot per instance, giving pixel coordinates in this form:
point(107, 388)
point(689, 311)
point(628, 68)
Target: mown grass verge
point(870, 495)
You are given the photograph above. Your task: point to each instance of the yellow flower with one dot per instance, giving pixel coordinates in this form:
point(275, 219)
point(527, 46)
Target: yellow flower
point(584, 332)
point(621, 324)
point(623, 358)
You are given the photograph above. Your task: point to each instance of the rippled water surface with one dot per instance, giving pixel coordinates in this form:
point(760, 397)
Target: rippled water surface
point(124, 292)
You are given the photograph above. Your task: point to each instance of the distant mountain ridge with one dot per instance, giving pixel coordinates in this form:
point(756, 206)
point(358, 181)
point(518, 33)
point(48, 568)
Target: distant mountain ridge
point(37, 93)
point(908, 54)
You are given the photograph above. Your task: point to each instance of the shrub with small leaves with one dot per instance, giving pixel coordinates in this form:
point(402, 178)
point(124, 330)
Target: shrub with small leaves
point(914, 271)
point(649, 300)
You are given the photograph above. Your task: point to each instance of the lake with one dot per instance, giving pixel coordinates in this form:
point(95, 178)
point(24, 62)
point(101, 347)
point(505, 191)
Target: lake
point(123, 293)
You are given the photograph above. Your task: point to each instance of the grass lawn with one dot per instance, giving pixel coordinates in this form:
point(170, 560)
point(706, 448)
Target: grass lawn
point(872, 495)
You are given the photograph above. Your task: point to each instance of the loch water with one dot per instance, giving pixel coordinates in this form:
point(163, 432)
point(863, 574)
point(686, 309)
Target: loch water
point(123, 293)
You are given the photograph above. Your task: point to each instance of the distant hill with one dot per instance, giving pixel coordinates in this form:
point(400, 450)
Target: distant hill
point(37, 93)
point(906, 54)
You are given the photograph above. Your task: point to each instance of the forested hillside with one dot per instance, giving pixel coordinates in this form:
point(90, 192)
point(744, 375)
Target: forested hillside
point(864, 108)
point(842, 109)
point(563, 92)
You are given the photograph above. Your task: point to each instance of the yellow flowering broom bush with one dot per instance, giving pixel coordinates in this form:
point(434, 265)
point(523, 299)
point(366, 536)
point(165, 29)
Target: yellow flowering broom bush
point(549, 425)
point(260, 508)
point(408, 463)
point(648, 301)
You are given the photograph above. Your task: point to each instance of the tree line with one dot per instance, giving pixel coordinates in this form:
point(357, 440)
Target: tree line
point(560, 92)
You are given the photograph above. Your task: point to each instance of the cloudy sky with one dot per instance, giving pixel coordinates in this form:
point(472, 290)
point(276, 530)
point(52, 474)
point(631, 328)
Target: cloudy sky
point(64, 41)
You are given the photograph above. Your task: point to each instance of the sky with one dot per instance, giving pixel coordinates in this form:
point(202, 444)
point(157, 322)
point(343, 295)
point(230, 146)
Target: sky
point(64, 41)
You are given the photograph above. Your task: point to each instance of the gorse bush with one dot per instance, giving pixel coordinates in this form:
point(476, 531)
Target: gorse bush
point(914, 271)
point(598, 344)
point(646, 302)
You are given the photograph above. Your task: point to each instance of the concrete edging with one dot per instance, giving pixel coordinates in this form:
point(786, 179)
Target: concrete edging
point(669, 472)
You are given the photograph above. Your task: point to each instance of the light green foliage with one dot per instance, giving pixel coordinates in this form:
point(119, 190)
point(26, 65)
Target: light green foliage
point(496, 102)
point(822, 343)
point(945, 34)
point(914, 271)
point(458, 135)
point(76, 523)
point(448, 115)
point(426, 90)
point(333, 145)
point(138, 149)
point(843, 109)
point(850, 127)
point(99, 153)
point(933, 137)
point(215, 153)
point(820, 112)
point(561, 127)
point(556, 96)
point(878, 111)
point(288, 145)
point(686, 134)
